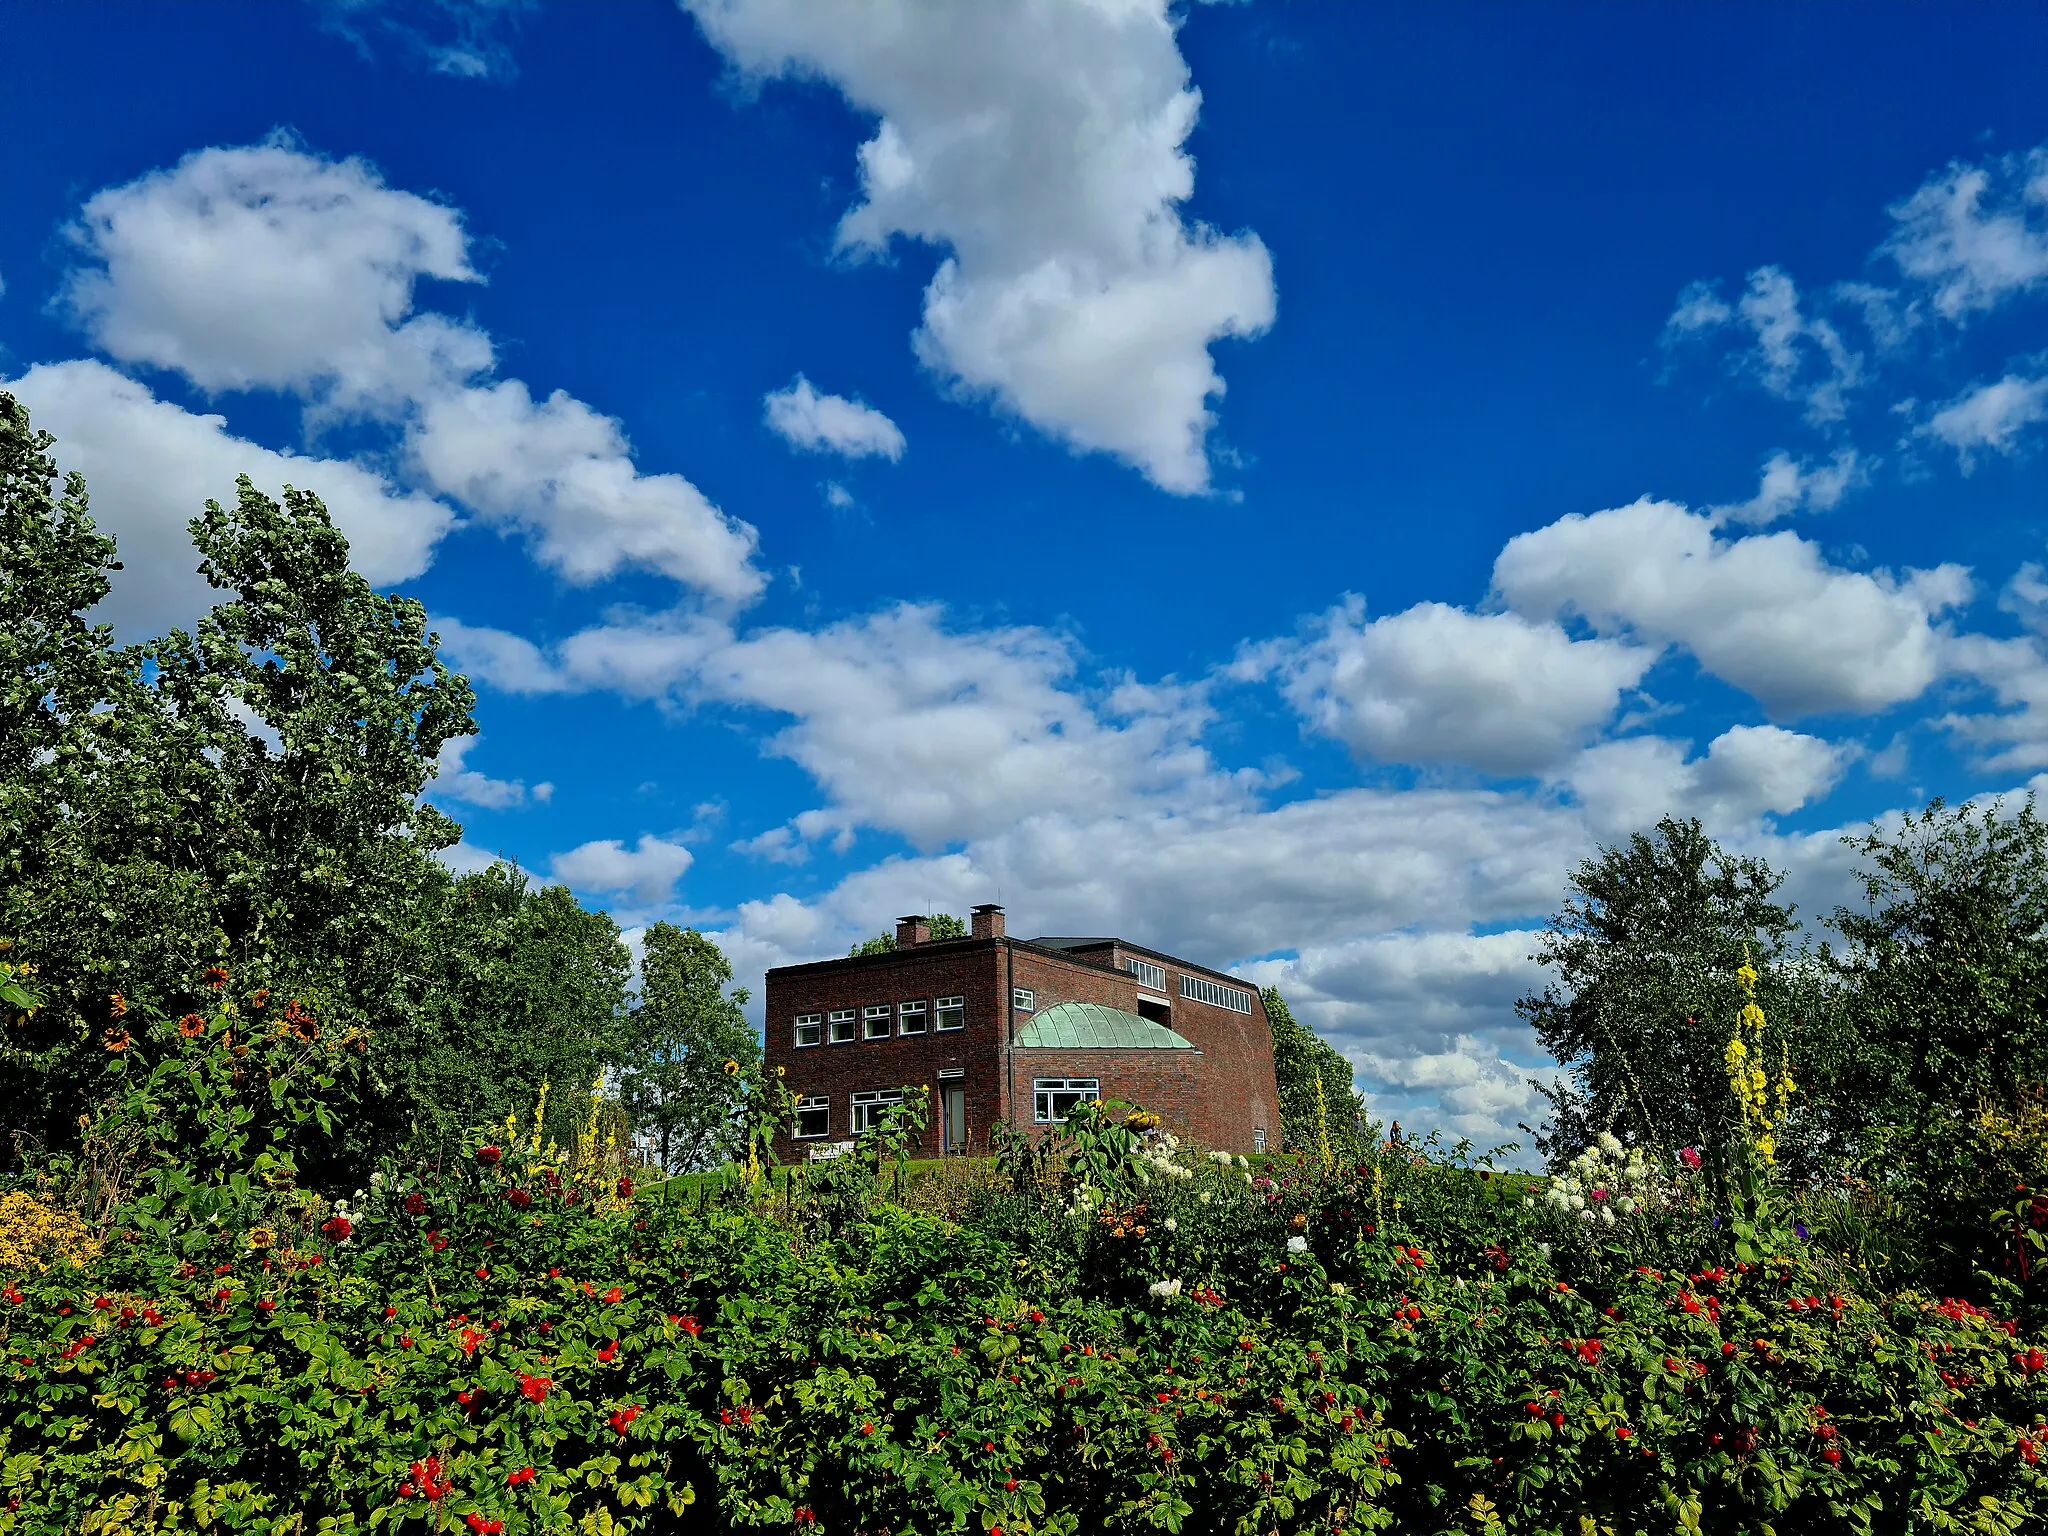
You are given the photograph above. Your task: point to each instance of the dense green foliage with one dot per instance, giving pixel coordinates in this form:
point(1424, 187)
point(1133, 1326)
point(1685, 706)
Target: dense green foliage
point(1644, 949)
point(686, 1027)
point(248, 795)
point(1119, 1336)
point(942, 925)
point(1318, 1102)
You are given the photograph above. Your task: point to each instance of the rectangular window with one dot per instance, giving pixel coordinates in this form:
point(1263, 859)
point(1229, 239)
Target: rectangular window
point(1054, 1098)
point(1220, 997)
point(813, 1117)
point(1149, 974)
point(952, 1013)
point(810, 1028)
point(842, 1026)
point(912, 1018)
point(868, 1108)
point(1023, 999)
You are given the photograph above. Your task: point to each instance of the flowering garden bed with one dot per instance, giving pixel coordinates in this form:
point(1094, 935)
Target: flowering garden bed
point(499, 1350)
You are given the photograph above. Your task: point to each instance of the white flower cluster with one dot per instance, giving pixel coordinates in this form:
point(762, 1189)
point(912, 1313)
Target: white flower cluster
point(1157, 1155)
point(1297, 1245)
point(1162, 1290)
point(1606, 1182)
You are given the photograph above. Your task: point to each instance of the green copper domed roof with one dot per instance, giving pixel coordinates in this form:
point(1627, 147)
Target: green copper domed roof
point(1091, 1026)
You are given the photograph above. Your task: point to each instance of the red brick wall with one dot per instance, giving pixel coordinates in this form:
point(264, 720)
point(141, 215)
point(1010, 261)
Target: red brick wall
point(1217, 1095)
point(969, 968)
point(1237, 1046)
point(1057, 979)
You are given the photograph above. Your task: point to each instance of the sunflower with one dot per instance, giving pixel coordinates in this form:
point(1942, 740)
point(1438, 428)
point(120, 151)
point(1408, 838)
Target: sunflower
point(261, 1237)
point(216, 977)
point(117, 1006)
point(260, 999)
point(119, 1040)
point(192, 1027)
point(306, 1029)
point(782, 1071)
point(732, 1068)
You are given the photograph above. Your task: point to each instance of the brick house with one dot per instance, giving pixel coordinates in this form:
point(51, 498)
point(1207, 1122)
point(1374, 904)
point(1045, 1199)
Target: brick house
point(1009, 1030)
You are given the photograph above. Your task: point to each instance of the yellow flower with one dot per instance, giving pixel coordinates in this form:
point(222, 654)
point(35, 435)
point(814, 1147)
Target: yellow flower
point(261, 1237)
point(34, 1235)
point(732, 1068)
point(782, 1071)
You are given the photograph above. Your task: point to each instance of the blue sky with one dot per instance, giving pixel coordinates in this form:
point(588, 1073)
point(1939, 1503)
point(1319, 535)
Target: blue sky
point(1279, 482)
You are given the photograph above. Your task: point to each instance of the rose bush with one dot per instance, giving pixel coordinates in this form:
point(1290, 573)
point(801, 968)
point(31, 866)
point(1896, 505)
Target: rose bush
point(452, 1360)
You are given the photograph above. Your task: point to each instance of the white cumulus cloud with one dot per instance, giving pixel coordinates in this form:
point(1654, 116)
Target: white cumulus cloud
point(268, 266)
point(260, 265)
point(1974, 236)
point(1788, 485)
point(1436, 684)
point(1627, 785)
point(1766, 613)
point(817, 423)
point(1990, 416)
point(646, 872)
point(1042, 146)
point(1793, 352)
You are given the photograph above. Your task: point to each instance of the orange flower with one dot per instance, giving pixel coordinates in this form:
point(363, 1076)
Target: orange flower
point(192, 1026)
point(117, 1006)
point(119, 1040)
point(216, 977)
point(260, 999)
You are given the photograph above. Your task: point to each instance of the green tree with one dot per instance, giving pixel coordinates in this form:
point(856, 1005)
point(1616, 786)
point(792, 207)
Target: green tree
point(684, 1031)
point(1303, 1063)
point(1946, 966)
point(1936, 1085)
point(524, 979)
point(245, 794)
point(944, 925)
point(1644, 994)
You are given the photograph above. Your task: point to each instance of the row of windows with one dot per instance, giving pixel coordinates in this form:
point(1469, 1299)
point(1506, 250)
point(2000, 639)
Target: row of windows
point(838, 1025)
point(1150, 975)
point(1222, 997)
point(1052, 1100)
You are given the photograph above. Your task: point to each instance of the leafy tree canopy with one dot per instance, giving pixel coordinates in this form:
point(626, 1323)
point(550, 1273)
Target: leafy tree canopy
point(246, 795)
point(1644, 994)
point(682, 1034)
point(1303, 1062)
point(944, 925)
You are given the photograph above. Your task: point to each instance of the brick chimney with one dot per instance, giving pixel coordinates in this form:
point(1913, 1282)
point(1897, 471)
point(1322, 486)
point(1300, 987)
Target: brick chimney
point(988, 921)
point(913, 931)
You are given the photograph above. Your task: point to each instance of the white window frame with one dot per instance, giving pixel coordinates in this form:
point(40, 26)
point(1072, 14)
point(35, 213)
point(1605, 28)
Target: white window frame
point(1045, 1089)
point(837, 1017)
point(1201, 990)
point(863, 1110)
point(815, 1024)
point(949, 1007)
point(874, 1022)
point(1024, 999)
point(912, 1018)
point(1148, 974)
point(819, 1102)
